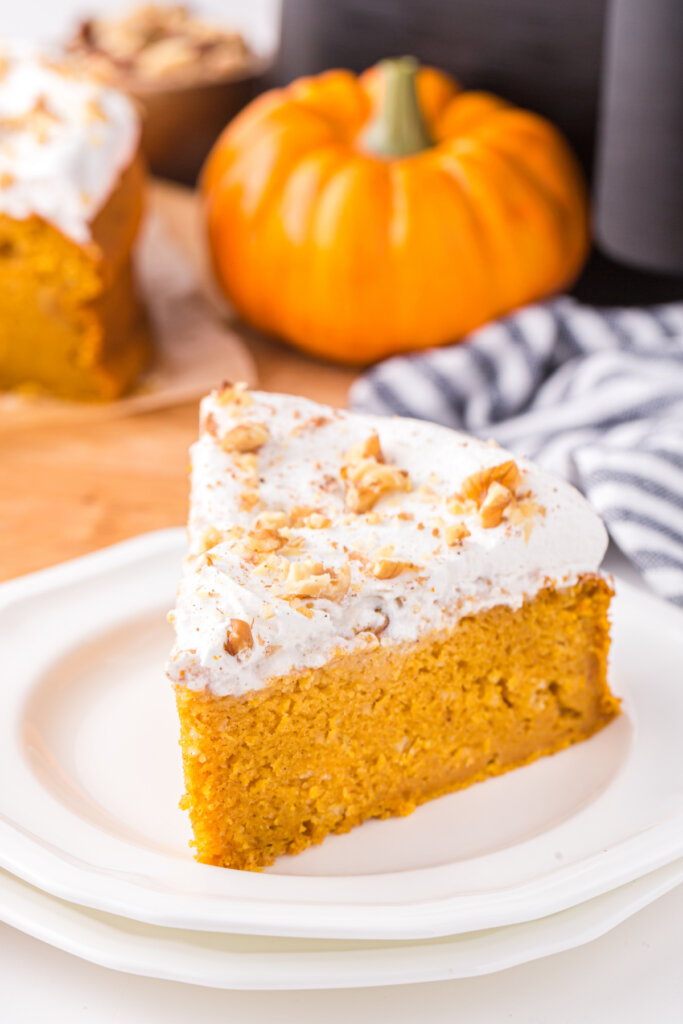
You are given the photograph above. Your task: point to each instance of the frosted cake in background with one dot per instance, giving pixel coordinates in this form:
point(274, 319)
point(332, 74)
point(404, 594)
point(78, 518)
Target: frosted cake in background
point(71, 196)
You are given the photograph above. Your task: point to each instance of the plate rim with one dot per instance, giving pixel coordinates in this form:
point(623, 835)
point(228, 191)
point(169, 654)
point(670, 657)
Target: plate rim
point(22, 855)
point(305, 970)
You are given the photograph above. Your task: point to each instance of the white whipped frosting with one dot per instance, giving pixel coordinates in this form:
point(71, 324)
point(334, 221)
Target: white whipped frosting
point(64, 141)
point(300, 464)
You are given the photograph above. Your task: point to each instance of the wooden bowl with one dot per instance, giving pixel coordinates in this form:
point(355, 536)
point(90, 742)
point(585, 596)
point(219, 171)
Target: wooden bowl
point(182, 120)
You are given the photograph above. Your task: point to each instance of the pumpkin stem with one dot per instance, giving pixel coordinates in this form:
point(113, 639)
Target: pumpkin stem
point(398, 128)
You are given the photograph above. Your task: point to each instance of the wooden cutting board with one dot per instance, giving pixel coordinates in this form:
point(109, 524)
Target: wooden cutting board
point(66, 490)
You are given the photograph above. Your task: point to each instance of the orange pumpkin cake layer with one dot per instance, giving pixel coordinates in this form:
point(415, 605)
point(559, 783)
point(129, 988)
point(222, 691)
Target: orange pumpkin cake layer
point(373, 613)
point(71, 194)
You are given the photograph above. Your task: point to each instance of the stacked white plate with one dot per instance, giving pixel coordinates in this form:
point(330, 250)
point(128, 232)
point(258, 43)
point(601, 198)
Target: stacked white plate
point(95, 853)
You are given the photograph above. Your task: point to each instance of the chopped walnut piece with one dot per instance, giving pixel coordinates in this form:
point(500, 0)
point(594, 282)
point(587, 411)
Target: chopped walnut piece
point(209, 538)
point(370, 448)
point(524, 513)
point(308, 515)
point(367, 476)
point(261, 542)
point(387, 568)
point(490, 491)
point(275, 565)
point(212, 536)
point(210, 425)
point(234, 394)
point(302, 608)
point(292, 545)
point(496, 501)
point(298, 513)
point(459, 506)
point(269, 533)
point(521, 511)
point(238, 637)
point(312, 579)
point(271, 519)
point(317, 521)
point(475, 487)
point(367, 480)
point(247, 463)
point(249, 499)
point(455, 533)
point(245, 437)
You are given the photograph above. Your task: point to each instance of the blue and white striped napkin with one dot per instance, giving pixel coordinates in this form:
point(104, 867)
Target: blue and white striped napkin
point(594, 395)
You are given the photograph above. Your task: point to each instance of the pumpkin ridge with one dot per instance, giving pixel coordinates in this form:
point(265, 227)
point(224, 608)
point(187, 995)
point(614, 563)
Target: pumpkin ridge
point(270, 315)
point(329, 122)
point(479, 106)
point(558, 206)
point(451, 167)
point(247, 120)
point(352, 290)
point(346, 122)
point(244, 175)
point(430, 80)
point(500, 223)
point(524, 126)
point(297, 284)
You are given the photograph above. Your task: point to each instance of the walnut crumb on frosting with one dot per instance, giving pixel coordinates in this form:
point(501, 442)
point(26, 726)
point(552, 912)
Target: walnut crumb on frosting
point(475, 487)
point(388, 568)
point(455, 533)
point(494, 504)
point(238, 637)
point(367, 477)
point(313, 579)
point(211, 536)
point(494, 493)
point(237, 395)
point(247, 436)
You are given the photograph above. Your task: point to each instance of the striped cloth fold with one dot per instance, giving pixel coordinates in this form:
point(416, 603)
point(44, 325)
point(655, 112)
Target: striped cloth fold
point(594, 395)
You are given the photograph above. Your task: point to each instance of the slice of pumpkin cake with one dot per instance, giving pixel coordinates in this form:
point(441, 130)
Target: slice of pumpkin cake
point(71, 197)
point(373, 612)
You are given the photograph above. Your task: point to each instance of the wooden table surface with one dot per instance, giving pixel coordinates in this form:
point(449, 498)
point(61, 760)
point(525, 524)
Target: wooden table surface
point(66, 490)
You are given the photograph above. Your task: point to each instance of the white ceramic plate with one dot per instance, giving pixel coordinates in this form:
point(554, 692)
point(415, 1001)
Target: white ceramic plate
point(90, 779)
point(255, 963)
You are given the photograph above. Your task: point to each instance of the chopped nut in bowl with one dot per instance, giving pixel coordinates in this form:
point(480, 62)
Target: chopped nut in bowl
point(189, 76)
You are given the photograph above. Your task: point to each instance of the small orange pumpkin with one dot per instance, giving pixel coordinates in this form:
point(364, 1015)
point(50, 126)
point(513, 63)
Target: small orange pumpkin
point(358, 217)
